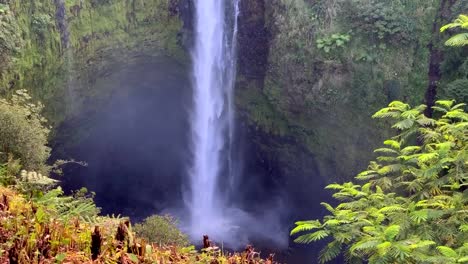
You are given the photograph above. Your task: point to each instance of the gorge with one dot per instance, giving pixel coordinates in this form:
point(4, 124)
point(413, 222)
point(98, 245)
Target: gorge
point(232, 115)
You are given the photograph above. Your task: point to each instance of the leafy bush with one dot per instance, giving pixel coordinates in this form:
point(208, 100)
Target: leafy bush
point(381, 20)
point(413, 203)
point(332, 42)
point(35, 232)
point(162, 230)
point(41, 24)
point(23, 132)
point(458, 89)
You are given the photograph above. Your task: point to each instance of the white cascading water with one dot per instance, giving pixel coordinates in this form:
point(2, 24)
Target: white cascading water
point(212, 120)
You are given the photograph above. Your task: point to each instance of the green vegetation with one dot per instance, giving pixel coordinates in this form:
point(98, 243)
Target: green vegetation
point(460, 39)
point(53, 228)
point(23, 133)
point(412, 205)
point(40, 224)
point(102, 34)
point(334, 41)
point(162, 230)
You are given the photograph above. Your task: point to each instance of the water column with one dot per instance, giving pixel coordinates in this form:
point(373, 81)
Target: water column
point(212, 116)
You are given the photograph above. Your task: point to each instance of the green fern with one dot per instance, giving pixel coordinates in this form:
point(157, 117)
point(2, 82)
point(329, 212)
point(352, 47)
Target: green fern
point(411, 200)
point(460, 39)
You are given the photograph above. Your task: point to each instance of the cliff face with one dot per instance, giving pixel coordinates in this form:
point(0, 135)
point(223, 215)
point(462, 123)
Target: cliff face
point(59, 48)
point(311, 73)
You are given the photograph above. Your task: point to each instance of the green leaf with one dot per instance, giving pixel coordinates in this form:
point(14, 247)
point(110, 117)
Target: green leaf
point(303, 226)
point(445, 103)
point(334, 186)
point(421, 244)
point(419, 216)
point(330, 252)
point(392, 143)
point(404, 124)
point(391, 209)
point(328, 207)
point(391, 232)
point(60, 257)
point(133, 258)
point(365, 245)
point(448, 252)
point(307, 238)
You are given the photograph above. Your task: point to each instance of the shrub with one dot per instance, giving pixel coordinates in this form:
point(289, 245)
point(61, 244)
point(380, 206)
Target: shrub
point(41, 25)
point(458, 90)
point(330, 43)
point(162, 230)
point(383, 22)
point(23, 132)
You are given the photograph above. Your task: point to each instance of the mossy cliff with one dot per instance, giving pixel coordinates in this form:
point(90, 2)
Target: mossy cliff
point(312, 73)
point(58, 48)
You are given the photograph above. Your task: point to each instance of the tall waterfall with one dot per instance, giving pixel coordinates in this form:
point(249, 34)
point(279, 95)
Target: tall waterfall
point(212, 120)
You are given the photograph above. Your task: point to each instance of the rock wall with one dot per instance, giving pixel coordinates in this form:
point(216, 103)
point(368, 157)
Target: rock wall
point(312, 73)
point(57, 49)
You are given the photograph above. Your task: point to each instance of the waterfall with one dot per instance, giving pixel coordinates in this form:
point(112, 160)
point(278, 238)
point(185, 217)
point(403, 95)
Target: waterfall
point(212, 119)
point(67, 49)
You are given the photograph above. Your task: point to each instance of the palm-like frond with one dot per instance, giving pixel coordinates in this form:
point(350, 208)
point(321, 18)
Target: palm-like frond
point(461, 22)
point(411, 200)
point(460, 39)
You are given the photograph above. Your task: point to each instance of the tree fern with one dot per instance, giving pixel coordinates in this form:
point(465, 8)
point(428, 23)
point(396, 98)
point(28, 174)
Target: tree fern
point(411, 201)
point(460, 39)
point(68, 207)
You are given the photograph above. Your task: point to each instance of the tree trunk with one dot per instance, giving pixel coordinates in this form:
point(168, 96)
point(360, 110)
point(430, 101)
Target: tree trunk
point(436, 54)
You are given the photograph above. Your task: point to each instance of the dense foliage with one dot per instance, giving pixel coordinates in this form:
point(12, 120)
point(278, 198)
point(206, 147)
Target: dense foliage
point(413, 204)
point(23, 133)
point(162, 230)
point(36, 231)
point(39, 224)
point(10, 38)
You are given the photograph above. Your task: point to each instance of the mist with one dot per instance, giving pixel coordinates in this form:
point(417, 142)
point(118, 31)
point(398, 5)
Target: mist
point(136, 142)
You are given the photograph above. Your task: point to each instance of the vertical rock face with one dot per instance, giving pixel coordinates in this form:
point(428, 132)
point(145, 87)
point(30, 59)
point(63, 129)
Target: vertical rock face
point(252, 40)
point(61, 21)
point(185, 10)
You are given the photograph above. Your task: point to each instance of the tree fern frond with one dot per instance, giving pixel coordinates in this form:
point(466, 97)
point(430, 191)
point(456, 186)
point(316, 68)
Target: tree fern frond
point(392, 209)
point(311, 237)
point(365, 245)
point(306, 226)
point(330, 252)
point(391, 232)
point(392, 143)
point(458, 40)
point(447, 252)
point(404, 124)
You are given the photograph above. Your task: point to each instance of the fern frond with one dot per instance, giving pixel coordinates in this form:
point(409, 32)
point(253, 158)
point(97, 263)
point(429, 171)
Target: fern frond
point(307, 238)
point(392, 143)
point(458, 40)
point(391, 232)
point(447, 252)
point(404, 124)
point(365, 245)
point(330, 252)
point(303, 226)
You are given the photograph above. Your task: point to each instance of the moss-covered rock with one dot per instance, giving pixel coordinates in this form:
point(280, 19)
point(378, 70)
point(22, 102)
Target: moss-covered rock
point(57, 48)
point(323, 99)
